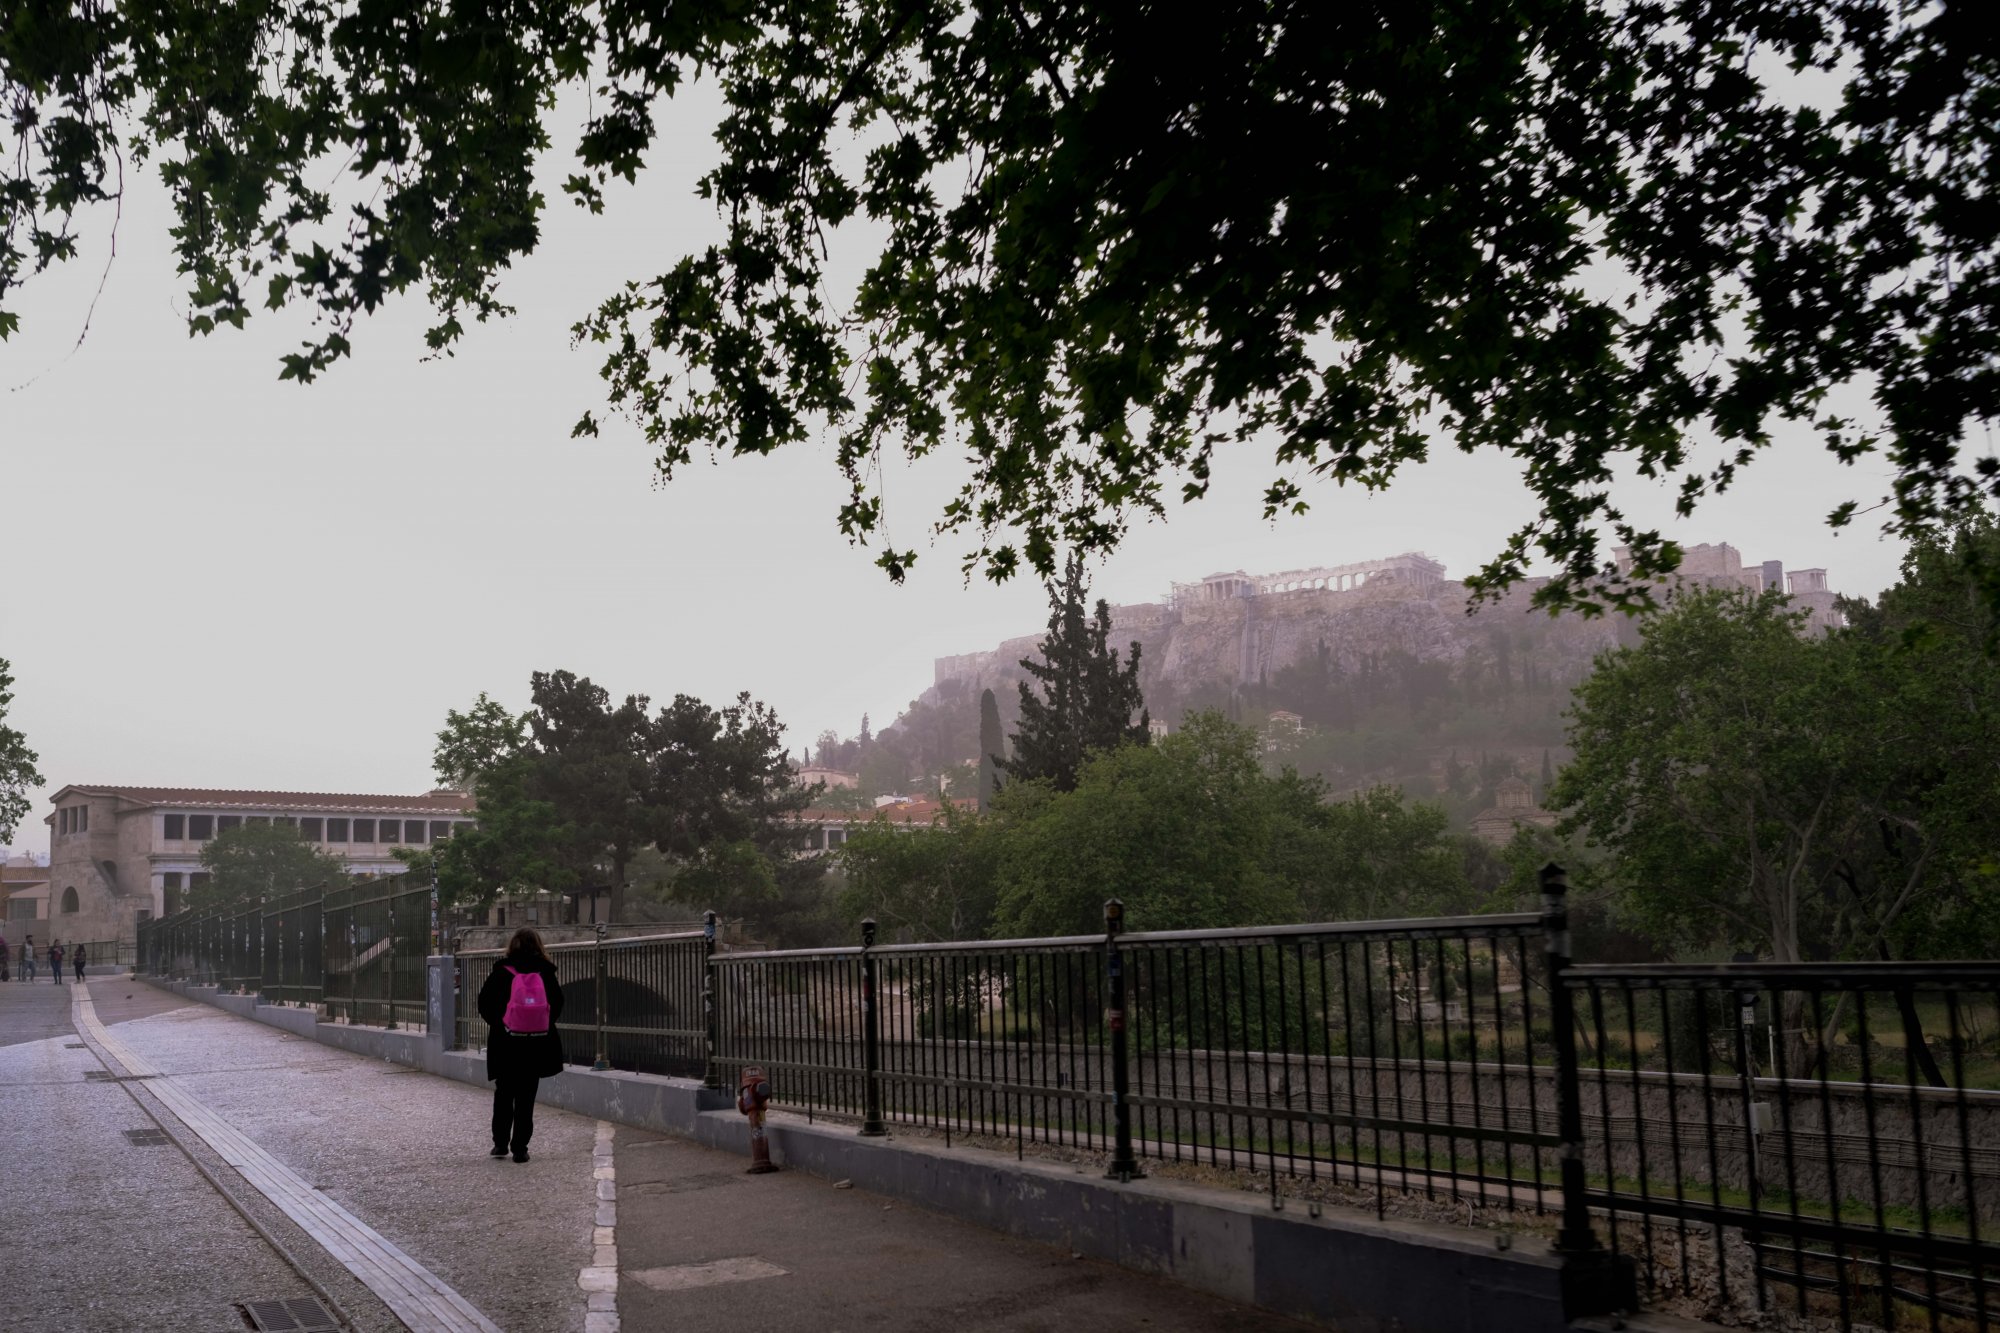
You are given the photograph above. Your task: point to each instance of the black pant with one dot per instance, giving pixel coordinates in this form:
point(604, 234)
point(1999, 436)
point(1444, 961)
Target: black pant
point(514, 1108)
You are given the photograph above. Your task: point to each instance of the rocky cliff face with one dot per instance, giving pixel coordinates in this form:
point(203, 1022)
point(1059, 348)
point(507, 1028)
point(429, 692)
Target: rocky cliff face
point(1248, 639)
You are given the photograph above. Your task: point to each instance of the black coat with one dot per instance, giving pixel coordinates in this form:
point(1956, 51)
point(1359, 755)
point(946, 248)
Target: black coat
point(513, 1056)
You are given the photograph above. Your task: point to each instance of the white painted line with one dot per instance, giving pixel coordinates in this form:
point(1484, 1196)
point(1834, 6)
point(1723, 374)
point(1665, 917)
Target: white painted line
point(599, 1280)
point(683, 1277)
point(412, 1292)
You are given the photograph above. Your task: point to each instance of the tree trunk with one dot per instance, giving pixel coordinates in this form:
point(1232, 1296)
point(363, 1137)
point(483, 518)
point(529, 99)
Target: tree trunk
point(1913, 1038)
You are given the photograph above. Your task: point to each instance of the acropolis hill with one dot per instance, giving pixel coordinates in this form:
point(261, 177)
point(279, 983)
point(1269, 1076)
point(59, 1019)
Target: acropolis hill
point(1233, 627)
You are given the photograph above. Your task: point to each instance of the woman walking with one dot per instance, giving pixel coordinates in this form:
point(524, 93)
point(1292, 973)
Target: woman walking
point(28, 960)
point(78, 957)
point(55, 961)
point(521, 1000)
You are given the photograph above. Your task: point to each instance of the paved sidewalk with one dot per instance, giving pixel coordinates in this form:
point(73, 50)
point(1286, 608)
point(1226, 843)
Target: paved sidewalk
point(103, 1233)
point(112, 1232)
point(702, 1245)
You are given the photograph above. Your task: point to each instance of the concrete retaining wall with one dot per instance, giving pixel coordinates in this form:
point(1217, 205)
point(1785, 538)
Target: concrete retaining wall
point(1364, 1275)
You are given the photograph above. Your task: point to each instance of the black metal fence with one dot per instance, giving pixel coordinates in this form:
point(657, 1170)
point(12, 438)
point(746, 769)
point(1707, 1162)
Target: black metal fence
point(98, 953)
point(1393, 1055)
point(374, 938)
point(1806, 1132)
point(1823, 1137)
point(632, 1003)
point(356, 952)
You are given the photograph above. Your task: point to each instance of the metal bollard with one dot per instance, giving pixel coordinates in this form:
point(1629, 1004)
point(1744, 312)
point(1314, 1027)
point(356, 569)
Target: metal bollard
point(1594, 1281)
point(752, 1095)
point(603, 1061)
point(871, 1039)
point(1124, 1166)
point(711, 1076)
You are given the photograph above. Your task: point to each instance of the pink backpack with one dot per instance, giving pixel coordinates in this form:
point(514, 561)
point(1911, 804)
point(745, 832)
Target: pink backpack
point(527, 1004)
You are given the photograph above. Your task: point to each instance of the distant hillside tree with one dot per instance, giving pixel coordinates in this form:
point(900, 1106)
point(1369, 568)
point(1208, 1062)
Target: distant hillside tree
point(1087, 698)
point(992, 748)
point(17, 764)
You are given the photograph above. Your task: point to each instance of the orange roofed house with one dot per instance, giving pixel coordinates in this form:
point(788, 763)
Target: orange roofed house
point(827, 830)
point(122, 855)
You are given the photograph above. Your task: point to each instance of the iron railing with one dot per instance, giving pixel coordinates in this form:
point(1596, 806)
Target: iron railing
point(99, 953)
point(293, 949)
point(633, 1003)
point(375, 936)
point(1392, 1055)
point(1819, 1135)
point(1804, 1133)
point(356, 952)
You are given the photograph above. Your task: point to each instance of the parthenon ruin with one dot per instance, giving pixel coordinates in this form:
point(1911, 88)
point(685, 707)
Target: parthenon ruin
point(1412, 568)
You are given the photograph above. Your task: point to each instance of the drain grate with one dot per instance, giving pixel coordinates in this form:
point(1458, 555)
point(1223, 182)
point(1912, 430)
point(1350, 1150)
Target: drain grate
point(99, 1075)
point(148, 1138)
point(300, 1315)
point(74, 1046)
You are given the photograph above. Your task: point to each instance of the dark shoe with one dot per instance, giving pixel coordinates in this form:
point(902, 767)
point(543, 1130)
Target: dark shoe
point(499, 1150)
point(520, 1154)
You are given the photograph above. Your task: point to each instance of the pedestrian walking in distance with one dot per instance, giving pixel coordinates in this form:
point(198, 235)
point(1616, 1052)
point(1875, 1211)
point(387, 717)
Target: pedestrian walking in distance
point(521, 1001)
point(55, 961)
point(28, 959)
point(6, 957)
point(79, 962)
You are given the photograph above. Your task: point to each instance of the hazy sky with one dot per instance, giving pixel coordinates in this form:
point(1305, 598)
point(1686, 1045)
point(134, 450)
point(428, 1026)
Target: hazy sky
point(209, 578)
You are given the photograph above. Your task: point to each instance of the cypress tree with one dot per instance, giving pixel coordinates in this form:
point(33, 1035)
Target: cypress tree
point(992, 747)
point(1087, 696)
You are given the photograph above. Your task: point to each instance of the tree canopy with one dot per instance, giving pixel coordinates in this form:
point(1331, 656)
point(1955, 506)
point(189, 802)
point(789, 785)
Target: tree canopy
point(925, 884)
point(1804, 796)
point(1191, 832)
point(258, 862)
point(992, 749)
point(17, 763)
point(570, 791)
point(1087, 697)
point(1595, 236)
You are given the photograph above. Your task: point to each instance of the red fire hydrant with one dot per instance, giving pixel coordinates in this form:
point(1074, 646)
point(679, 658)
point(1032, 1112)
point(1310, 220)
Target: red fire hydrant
point(752, 1094)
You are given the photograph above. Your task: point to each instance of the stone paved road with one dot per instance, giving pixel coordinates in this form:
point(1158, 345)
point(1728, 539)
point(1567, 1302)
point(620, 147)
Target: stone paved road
point(98, 1232)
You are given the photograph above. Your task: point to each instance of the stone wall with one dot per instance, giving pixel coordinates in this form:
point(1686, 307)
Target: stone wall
point(105, 911)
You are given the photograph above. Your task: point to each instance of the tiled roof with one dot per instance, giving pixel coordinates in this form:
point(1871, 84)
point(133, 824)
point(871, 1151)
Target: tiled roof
point(209, 798)
point(24, 874)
